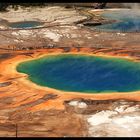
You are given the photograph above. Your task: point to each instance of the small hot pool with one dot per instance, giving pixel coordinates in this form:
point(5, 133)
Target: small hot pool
point(83, 73)
point(25, 24)
point(127, 21)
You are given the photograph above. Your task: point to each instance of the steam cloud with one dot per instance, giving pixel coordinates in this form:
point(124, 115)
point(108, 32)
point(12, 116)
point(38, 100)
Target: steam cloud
point(132, 5)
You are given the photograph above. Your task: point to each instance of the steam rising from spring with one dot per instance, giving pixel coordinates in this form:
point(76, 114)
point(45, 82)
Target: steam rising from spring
point(132, 5)
point(135, 7)
point(127, 19)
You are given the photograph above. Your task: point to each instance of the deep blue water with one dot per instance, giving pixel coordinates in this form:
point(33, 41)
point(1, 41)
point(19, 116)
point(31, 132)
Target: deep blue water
point(81, 73)
point(25, 24)
point(127, 21)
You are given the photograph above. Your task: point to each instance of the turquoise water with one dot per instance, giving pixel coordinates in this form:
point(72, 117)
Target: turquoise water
point(25, 24)
point(81, 73)
point(127, 21)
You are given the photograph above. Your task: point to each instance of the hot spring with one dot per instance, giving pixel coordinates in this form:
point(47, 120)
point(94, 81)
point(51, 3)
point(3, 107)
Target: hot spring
point(126, 21)
point(25, 24)
point(83, 73)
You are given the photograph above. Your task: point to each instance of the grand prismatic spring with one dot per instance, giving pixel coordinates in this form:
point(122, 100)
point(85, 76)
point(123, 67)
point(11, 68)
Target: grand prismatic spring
point(70, 70)
point(84, 73)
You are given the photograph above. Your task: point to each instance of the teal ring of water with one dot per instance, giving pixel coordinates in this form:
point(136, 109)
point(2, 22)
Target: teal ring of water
point(83, 73)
